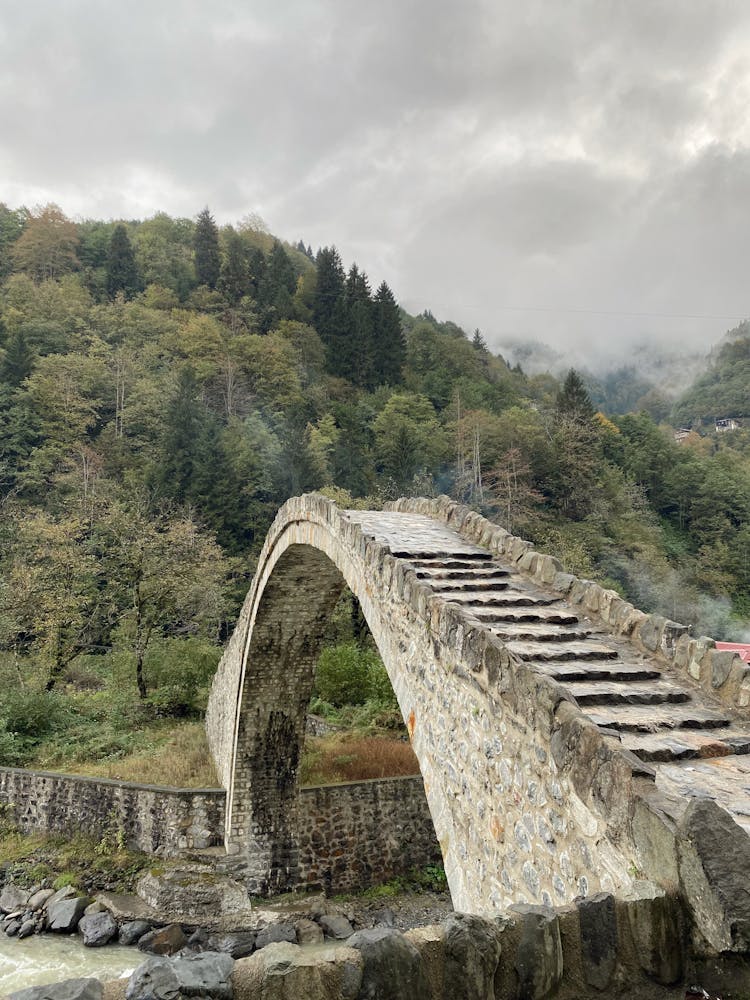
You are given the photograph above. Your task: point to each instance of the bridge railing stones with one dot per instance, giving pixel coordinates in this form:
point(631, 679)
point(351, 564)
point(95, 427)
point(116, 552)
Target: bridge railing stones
point(721, 672)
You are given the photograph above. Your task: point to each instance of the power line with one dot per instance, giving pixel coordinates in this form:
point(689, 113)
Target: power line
point(735, 317)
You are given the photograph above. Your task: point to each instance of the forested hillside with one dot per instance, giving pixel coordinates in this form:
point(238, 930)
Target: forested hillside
point(165, 385)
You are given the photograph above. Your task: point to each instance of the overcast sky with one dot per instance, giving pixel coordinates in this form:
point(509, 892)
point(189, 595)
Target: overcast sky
point(575, 172)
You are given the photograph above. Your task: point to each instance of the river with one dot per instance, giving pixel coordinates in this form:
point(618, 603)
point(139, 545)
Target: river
point(48, 958)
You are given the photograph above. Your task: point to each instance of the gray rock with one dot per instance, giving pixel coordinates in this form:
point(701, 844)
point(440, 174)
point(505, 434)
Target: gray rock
point(539, 959)
point(27, 928)
point(206, 976)
point(97, 929)
point(12, 898)
point(13, 927)
point(335, 926)
point(155, 979)
point(67, 892)
point(308, 932)
point(63, 916)
point(39, 898)
point(238, 944)
point(714, 864)
point(472, 955)
point(274, 934)
point(133, 930)
point(71, 989)
point(392, 966)
point(95, 907)
point(657, 932)
point(596, 917)
point(167, 941)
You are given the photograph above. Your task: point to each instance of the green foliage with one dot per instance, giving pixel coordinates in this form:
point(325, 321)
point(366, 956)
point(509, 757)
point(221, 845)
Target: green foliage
point(343, 674)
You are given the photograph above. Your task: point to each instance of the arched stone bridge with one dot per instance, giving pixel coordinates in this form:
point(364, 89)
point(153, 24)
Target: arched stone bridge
point(568, 743)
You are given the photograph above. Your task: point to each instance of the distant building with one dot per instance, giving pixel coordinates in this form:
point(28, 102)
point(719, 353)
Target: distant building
point(742, 649)
point(681, 433)
point(726, 424)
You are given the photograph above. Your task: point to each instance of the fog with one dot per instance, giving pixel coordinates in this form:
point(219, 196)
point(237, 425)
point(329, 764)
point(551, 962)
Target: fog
point(576, 174)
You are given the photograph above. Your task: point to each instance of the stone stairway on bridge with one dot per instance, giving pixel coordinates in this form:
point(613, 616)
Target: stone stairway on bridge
point(692, 744)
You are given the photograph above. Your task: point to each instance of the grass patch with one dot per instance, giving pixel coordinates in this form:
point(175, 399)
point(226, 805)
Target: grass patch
point(178, 755)
point(330, 760)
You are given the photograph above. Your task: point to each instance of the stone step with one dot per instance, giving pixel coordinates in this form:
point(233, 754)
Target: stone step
point(590, 670)
point(465, 586)
point(687, 744)
point(626, 692)
point(562, 651)
point(474, 573)
point(521, 614)
point(441, 556)
point(450, 563)
point(493, 606)
point(539, 632)
point(651, 720)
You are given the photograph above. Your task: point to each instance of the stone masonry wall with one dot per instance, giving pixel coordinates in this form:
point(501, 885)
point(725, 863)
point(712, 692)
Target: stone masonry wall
point(353, 835)
point(151, 818)
point(364, 832)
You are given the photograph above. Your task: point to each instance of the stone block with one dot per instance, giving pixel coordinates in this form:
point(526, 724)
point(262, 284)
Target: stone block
point(392, 966)
point(539, 956)
point(287, 972)
point(714, 869)
point(598, 937)
point(720, 665)
point(656, 929)
point(649, 631)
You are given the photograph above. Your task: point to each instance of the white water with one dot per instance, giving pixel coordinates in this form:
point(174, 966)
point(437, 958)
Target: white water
point(49, 958)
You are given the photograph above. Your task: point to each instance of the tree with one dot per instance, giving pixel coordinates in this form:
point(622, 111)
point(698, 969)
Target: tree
point(207, 256)
point(357, 365)
point(408, 438)
point(573, 401)
point(47, 246)
point(122, 273)
point(389, 345)
point(18, 360)
point(234, 276)
point(166, 575)
point(330, 317)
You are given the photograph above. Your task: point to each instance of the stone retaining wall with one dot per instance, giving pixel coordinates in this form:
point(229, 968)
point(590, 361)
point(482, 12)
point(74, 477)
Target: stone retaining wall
point(149, 817)
point(352, 835)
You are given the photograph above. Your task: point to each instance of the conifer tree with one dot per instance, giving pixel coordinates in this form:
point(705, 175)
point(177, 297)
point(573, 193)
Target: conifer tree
point(122, 273)
point(330, 314)
point(357, 364)
point(206, 244)
point(573, 400)
point(234, 277)
point(18, 360)
point(389, 346)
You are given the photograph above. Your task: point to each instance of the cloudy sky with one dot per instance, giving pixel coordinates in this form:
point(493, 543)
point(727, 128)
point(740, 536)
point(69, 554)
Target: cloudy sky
point(574, 172)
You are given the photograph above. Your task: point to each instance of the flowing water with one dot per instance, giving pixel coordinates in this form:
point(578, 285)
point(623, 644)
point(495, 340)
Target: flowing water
point(49, 958)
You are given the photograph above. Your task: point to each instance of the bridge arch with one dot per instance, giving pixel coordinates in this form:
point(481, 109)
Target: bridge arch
point(510, 826)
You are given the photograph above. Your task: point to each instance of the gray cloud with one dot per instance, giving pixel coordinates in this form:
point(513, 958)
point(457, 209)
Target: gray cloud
point(584, 161)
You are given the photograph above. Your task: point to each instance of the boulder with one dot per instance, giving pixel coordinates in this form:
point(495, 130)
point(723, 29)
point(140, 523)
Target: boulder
point(472, 955)
point(97, 929)
point(238, 944)
point(275, 934)
point(39, 898)
point(206, 976)
point(283, 971)
point(714, 865)
point(308, 932)
point(63, 916)
point(335, 926)
point(598, 925)
point(27, 928)
point(167, 941)
point(13, 898)
point(539, 958)
point(71, 989)
point(392, 966)
point(133, 930)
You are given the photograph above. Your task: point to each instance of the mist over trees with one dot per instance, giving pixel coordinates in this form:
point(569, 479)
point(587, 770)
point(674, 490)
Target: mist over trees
point(165, 385)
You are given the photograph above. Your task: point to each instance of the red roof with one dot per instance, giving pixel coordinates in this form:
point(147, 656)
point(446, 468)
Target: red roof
point(741, 648)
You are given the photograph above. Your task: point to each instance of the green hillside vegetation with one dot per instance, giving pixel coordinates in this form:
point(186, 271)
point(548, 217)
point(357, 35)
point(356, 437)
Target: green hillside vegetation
point(724, 389)
point(165, 385)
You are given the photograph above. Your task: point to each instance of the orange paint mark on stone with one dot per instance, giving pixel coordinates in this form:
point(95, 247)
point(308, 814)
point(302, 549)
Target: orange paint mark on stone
point(410, 725)
point(496, 828)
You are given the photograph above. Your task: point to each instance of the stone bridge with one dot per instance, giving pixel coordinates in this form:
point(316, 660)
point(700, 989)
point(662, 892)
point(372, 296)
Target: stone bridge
point(569, 744)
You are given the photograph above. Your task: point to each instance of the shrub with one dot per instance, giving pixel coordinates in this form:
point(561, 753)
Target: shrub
point(343, 675)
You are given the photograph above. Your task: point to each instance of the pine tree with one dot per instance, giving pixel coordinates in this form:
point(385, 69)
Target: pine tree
point(330, 313)
point(276, 288)
point(389, 346)
point(478, 342)
point(357, 363)
point(18, 360)
point(122, 273)
point(234, 278)
point(207, 256)
point(181, 436)
point(573, 400)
